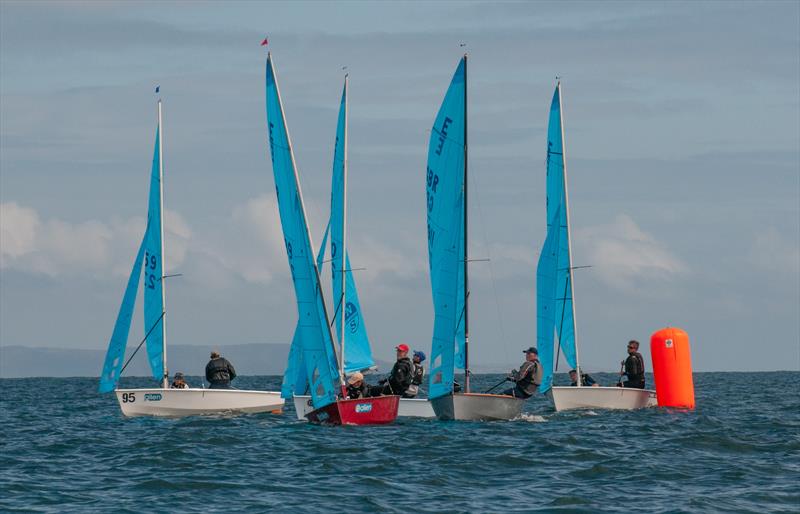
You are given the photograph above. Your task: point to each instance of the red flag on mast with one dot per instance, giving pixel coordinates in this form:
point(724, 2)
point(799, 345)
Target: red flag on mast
point(265, 42)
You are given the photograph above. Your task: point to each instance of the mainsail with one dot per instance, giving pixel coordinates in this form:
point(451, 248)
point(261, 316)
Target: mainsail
point(555, 309)
point(357, 352)
point(119, 337)
point(313, 332)
point(153, 269)
point(446, 238)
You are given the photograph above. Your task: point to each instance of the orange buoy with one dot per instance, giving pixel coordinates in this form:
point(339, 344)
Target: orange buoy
point(672, 368)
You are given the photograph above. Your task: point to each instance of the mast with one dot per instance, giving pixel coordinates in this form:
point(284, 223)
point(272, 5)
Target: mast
point(343, 250)
point(569, 235)
point(466, 259)
point(165, 379)
point(305, 217)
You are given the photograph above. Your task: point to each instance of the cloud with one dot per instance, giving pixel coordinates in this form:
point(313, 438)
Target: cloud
point(774, 253)
point(55, 247)
point(624, 256)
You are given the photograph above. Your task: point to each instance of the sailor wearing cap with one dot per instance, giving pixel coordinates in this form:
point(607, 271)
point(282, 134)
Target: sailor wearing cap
point(400, 377)
point(356, 387)
point(417, 375)
point(528, 377)
point(178, 382)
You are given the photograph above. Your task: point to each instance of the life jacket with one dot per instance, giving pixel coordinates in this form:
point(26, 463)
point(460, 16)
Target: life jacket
point(416, 380)
point(634, 367)
point(533, 376)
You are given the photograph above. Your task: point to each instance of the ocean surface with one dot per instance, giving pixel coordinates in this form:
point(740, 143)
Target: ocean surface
point(65, 448)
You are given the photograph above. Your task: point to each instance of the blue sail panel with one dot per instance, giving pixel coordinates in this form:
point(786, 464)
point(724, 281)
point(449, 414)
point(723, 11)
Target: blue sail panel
point(295, 380)
point(119, 337)
point(546, 273)
point(444, 189)
point(313, 335)
point(153, 270)
point(557, 220)
point(357, 351)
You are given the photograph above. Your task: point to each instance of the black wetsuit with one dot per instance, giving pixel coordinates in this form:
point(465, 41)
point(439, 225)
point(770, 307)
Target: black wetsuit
point(354, 392)
point(219, 373)
point(634, 370)
point(586, 380)
point(399, 379)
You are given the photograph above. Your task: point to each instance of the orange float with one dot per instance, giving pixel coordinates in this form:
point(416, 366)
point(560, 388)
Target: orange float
point(672, 368)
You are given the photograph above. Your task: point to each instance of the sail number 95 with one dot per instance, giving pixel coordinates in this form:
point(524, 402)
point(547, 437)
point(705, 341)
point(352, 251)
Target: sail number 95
point(128, 397)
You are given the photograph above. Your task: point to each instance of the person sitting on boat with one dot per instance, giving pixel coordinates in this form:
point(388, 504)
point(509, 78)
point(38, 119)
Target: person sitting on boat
point(586, 379)
point(219, 372)
point(178, 382)
point(399, 378)
point(356, 387)
point(528, 377)
point(634, 367)
point(417, 376)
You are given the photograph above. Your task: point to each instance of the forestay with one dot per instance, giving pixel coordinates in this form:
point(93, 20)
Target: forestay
point(357, 352)
point(445, 205)
point(153, 270)
point(318, 354)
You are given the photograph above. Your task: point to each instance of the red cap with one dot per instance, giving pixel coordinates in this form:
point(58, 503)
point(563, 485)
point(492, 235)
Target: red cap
point(402, 347)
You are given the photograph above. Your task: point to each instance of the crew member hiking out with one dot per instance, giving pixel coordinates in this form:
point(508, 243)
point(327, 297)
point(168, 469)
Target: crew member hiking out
point(528, 377)
point(399, 378)
point(634, 367)
point(417, 376)
point(219, 372)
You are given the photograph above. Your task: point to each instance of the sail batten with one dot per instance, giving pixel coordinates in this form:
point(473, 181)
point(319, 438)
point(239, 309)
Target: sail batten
point(313, 334)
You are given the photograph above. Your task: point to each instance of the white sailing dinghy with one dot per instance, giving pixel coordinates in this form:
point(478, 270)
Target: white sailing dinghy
point(356, 354)
point(446, 184)
point(163, 401)
point(313, 361)
point(555, 317)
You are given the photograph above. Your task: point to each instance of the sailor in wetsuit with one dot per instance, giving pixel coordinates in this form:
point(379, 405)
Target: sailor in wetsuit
point(399, 378)
point(528, 377)
point(219, 372)
point(586, 379)
point(356, 387)
point(417, 376)
point(634, 367)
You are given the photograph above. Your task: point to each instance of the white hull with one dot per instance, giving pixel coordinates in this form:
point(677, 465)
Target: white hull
point(566, 398)
point(409, 407)
point(190, 402)
point(477, 407)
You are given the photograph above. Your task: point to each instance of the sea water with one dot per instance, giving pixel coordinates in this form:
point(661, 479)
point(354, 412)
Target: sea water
point(66, 448)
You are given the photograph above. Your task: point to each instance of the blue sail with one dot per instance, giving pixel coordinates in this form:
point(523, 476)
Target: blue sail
point(313, 334)
point(295, 380)
point(445, 204)
point(357, 352)
point(546, 274)
point(563, 318)
point(153, 270)
point(119, 337)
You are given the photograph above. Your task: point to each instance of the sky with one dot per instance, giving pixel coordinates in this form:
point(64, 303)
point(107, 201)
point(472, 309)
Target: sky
point(682, 135)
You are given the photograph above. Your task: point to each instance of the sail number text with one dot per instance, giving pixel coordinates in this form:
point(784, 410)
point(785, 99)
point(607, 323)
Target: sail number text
point(150, 264)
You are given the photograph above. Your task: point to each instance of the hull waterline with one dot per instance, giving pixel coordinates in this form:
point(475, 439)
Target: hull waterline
point(618, 398)
point(477, 407)
point(408, 408)
point(177, 403)
point(380, 410)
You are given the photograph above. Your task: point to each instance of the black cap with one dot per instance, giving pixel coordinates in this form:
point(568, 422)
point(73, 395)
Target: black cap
point(532, 349)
